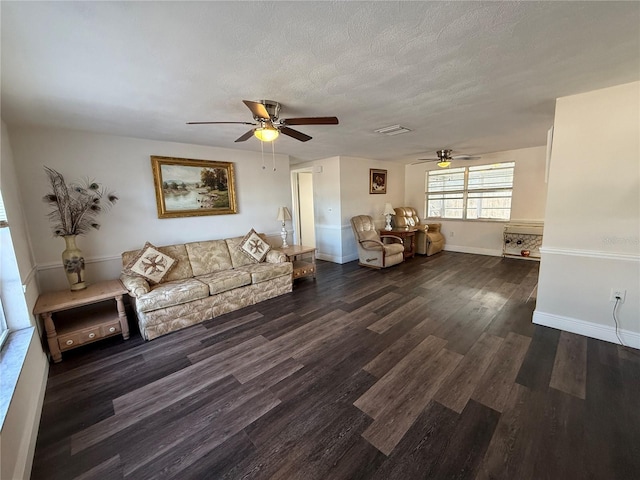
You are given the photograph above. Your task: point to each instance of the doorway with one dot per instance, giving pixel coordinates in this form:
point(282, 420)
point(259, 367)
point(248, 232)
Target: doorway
point(304, 216)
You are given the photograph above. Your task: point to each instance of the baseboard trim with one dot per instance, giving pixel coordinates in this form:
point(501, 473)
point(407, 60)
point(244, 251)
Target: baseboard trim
point(478, 251)
point(336, 259)
point(588, 329)
point(35, 426)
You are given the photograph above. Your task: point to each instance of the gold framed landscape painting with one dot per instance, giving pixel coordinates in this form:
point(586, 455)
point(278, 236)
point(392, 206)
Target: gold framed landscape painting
point(187, 187)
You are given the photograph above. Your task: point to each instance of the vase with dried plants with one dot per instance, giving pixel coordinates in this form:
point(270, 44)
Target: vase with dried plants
point(74, 209)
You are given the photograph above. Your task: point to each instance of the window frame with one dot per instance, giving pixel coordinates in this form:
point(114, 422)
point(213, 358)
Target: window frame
point(4, 328)
point(466, 192)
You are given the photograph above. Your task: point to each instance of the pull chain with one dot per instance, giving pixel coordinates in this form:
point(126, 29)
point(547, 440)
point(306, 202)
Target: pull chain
point(273, 154)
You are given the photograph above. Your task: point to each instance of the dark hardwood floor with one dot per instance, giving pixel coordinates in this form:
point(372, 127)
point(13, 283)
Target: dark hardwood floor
point(430, 369)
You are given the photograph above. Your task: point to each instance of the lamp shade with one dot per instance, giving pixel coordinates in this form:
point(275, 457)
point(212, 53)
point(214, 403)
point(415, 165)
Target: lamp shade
point(388, 209)
point(283, 214)
point(266, 134)
point(444, 164)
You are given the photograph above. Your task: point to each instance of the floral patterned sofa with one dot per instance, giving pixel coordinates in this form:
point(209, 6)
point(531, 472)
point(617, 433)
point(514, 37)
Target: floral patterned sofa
point(207, 279)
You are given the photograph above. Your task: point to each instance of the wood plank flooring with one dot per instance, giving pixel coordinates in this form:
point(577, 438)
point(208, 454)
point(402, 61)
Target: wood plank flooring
point(429, 369)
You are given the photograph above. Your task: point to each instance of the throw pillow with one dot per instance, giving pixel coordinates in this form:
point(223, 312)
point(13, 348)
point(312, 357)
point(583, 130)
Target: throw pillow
point(150, 263)
point(254, 247)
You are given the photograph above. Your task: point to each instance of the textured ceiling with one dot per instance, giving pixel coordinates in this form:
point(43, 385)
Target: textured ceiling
point(472, 76)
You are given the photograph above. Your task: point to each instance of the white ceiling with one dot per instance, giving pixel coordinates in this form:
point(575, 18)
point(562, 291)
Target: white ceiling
point(472, 76)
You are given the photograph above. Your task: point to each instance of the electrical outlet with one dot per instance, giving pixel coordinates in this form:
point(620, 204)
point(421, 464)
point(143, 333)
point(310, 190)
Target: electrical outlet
point(617, 293)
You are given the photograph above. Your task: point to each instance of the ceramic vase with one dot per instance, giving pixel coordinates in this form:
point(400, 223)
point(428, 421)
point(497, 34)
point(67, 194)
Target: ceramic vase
point(73, 263)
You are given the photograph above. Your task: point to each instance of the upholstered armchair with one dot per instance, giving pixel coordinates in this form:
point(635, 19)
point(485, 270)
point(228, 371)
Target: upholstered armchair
point(372, 252)
point(429, 240)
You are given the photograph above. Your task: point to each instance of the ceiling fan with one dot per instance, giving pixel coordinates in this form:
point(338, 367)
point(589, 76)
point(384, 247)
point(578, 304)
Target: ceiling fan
point(444, 158)
point(269, 125)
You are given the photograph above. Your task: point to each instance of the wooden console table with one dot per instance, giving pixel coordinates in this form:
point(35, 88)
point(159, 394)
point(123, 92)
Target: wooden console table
point(408, 236)
point(75, 318)
point(301, 267)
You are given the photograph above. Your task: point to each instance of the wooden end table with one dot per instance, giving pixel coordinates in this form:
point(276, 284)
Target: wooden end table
point(75, 318)
point(301, 267)
point(408, 236)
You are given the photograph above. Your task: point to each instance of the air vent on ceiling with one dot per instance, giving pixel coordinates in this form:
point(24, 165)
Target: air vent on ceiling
point(393, 130)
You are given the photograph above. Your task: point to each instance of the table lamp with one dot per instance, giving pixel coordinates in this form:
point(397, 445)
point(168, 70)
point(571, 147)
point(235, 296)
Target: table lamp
point(388, 211)
point(284, 215)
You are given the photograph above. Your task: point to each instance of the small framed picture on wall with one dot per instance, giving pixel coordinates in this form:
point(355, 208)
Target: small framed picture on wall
point(377, 181)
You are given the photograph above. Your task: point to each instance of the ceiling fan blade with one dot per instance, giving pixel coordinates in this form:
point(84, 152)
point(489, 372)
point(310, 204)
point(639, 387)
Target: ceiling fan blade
point(295, 134)
point(257, 109)
point(246, 136)
point(465, 157)
point(422, 160)
point(311, 121)
point(212, 123)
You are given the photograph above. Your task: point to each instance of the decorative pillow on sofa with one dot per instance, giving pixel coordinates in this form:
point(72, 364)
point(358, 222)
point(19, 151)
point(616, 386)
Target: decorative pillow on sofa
point(150, 263)
point(254, 247)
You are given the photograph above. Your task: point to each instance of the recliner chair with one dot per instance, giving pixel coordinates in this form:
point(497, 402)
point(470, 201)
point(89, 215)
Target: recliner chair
point(429, 240)
point(372, 252)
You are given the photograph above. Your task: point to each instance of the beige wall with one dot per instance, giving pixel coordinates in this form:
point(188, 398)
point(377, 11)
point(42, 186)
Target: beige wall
point(484, 237)
point(326, 203)
point(592, 222)
point(123, 164)
point(19, 430)
point(341, 190)
point(356, 199)
point(305, 204)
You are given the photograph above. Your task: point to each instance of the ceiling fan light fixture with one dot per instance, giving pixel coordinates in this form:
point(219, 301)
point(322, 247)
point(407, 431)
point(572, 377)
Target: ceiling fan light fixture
point(266, 134)
point(444, 164)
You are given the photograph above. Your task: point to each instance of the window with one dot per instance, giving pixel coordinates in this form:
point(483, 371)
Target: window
point(473, 193)
point(4, 331)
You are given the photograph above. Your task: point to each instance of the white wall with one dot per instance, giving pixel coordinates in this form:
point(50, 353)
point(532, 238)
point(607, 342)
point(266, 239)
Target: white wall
point(592, 222)
point(485, 237)
point(341, 191)
point(20, 426)
point(356, 199)
point(326, 202)
point(305, 204)
point(123, 164)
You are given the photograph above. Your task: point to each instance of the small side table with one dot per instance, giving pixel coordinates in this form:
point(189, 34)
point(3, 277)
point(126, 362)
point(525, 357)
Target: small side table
point(408, 236)
point(301, 267)
point(75, 318)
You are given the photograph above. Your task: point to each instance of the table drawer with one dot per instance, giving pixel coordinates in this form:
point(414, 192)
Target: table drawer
point(90, 335)
point(302, 269)
point(71, 340)
point(111, 329)
point(75, 339)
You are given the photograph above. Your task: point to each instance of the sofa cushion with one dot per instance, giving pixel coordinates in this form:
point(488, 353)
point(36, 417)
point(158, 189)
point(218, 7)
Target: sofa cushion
point(369, 239)
point(261, 272)
point(276, 256)
point(227, 280)
point(181, 269)
point(150, 263)
point(393, 248)
point(208, 257)
point(239, 259)
point(173, 293)
point(254, 247)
